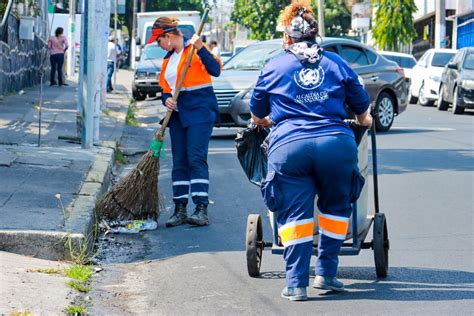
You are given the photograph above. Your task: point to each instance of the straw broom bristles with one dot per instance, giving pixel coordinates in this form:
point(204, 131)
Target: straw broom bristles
point(135, 196)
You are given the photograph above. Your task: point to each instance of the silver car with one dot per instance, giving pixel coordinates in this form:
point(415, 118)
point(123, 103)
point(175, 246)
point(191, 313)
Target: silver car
point(383, 79)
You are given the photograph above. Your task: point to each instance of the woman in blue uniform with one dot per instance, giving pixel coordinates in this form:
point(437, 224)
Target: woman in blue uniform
point(193, 119)
point(312, 150)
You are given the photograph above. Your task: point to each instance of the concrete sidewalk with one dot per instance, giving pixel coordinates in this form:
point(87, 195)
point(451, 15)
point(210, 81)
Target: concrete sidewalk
point(33, 223)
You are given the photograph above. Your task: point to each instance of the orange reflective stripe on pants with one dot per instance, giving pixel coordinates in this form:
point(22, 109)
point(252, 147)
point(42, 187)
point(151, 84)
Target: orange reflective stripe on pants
point(333, 226)
point(297, 232)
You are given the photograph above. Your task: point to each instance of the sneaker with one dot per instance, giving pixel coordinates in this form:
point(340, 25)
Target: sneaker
point(294, 293)
point(328, 283)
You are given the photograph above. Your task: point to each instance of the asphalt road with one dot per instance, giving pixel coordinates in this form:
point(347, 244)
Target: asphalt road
point(426, 183)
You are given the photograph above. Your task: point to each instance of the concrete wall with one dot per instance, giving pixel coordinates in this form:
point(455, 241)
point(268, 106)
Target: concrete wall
point(21, 60)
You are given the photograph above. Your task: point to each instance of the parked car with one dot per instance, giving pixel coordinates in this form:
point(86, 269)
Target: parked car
point(457, 82)
point(426, 75)
point(145, 80)
point(383, 79)
point(225, 56)
point(406, 61)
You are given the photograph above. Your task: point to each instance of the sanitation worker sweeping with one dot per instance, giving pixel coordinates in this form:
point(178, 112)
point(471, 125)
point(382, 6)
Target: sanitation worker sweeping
point(136, 196)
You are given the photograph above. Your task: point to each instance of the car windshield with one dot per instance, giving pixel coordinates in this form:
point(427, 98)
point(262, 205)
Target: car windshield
point(441, 59)
point(254, 57)
point(469, 61)
point(406, 62)
point(153, 52)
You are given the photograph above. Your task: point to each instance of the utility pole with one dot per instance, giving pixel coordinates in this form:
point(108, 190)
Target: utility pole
point(321, 18)
point(71, 59)
point(95, 29)
point(143, 6)
point(115, 44)
point(440, 26)
point(134, 35)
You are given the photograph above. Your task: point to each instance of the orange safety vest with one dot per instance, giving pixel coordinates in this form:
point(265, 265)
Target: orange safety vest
point(197, 76)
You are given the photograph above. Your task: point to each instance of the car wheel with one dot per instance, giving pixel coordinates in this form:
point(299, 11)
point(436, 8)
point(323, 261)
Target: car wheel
point(456, 108)
point(137, 95)
point(421, 97)
point(442, 104)
point(385, 109)
point(411, 98)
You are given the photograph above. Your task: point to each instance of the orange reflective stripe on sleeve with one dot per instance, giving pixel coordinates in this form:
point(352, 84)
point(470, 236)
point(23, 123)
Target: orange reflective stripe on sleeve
point(333, 226)
point(297, 232)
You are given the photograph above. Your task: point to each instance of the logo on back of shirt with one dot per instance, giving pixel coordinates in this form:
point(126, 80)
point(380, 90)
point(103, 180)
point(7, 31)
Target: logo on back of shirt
point(309, 78)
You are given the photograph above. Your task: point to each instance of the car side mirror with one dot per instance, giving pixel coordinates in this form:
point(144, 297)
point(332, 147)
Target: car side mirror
point(137, 58)
point(138, 41)
point(452, 66)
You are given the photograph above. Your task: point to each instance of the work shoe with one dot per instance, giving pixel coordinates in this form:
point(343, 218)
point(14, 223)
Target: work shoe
point(199, 217)
point(328, 283)
point(179, 216)
point(294, 293)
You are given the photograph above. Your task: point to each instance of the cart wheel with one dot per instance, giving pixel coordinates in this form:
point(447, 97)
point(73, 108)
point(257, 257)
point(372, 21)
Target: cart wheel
point(254, 244)
point(381, 245)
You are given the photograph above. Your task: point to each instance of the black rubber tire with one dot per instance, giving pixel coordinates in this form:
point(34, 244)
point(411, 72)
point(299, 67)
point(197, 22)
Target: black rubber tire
point(254, 244)
point(421, 100)
point(381, 107)
point(456, 108)
point(381, 245)
point(137, 95)
point(411, 98)
point(442, 104)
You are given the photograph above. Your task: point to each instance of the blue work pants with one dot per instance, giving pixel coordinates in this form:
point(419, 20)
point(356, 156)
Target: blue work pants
point(297, 171)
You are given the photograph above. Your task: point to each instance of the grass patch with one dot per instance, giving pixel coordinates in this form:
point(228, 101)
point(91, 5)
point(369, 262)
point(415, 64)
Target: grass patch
point(76, 310)
point(79, 272)
point(20, 313)
point(131, 115)
point(79, 286)
point(120, 157)
point(46, 270)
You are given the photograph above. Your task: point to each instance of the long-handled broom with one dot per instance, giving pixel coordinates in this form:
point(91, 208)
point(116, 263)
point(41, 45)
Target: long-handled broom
point(136, 195)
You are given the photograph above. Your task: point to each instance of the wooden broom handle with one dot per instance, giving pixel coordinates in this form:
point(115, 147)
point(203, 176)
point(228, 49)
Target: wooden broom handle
point(161, 133)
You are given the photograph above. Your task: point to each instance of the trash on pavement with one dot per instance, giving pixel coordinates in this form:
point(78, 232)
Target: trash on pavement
point(128, 227)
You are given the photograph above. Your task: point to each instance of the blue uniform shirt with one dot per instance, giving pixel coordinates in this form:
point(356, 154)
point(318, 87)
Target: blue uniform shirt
point(307, 101)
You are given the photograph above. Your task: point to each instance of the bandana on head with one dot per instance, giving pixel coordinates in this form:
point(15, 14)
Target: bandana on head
point(298, 28)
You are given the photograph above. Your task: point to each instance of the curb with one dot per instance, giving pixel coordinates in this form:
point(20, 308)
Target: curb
point(53, 245)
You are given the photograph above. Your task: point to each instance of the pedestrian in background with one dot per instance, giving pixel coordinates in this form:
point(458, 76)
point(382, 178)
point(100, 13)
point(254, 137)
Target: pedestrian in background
point(113, 53)
point(193, 119)
point(312, 149)
point(57, 46)
point(214, 49)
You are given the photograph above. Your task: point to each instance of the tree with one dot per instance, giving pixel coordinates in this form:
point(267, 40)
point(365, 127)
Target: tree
point(394, 23)
point(261, 17)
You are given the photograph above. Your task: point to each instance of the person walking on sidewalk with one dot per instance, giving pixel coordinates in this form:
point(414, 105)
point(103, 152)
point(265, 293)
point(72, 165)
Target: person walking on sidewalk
point(57, 46)
point(192, 121)
point(312, 150)
point(114, 51)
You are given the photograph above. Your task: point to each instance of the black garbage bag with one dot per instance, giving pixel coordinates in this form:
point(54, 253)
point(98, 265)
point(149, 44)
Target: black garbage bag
point(252, 152)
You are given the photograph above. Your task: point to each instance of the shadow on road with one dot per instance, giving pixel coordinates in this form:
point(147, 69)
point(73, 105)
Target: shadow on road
point(398, 161)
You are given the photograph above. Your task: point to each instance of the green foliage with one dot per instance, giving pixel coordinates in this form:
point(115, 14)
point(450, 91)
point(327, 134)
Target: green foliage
point(76, 310)
point(79, 286)
point(394, 23)
point(261, 17)
point(131, 115)
point(79, 272)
